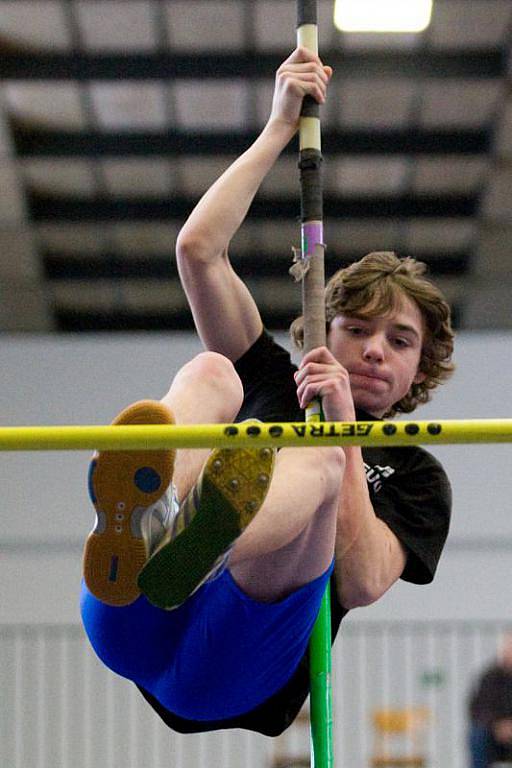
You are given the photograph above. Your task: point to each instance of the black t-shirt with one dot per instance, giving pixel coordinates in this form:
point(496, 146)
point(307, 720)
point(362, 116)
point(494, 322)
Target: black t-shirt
point(408, 488)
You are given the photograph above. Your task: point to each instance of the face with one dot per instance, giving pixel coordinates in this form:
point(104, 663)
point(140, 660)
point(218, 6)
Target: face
point(506, 652)
point(381, 355)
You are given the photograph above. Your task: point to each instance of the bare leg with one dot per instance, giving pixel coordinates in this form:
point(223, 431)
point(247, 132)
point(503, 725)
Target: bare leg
point(126, 485)
point(291, 540)
point(207, 390)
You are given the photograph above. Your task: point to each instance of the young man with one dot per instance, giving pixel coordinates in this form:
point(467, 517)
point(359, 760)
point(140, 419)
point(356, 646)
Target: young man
point(490, 711)
point(232, 652)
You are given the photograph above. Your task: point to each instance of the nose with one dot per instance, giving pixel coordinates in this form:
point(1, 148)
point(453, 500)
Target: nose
point(373, 350)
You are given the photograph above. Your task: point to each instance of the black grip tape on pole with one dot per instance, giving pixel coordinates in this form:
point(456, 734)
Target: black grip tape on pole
point(306, 12)
point(310, 107)
point(310, 164)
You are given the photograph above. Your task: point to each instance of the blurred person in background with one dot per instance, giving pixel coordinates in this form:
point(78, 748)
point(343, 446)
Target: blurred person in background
point(490, 711)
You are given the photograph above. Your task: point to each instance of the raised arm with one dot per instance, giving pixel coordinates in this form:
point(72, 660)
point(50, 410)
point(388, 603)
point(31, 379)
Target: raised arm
point(226, 316)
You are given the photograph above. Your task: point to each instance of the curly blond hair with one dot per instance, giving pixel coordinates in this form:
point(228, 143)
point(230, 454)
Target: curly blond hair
point(373, 287)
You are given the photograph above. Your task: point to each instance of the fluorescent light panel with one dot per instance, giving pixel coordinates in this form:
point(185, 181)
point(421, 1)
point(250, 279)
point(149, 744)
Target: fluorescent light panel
point(382, 15)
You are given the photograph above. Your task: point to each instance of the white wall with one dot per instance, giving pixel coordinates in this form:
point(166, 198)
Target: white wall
point(45, 513)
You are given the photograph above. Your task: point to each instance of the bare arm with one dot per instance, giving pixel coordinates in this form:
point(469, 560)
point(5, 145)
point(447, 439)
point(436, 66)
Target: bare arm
point(225, 314)
point(369, 557)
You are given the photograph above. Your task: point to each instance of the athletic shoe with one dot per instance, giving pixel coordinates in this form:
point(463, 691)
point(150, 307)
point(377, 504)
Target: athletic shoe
point(229, 492)
point(135, 505)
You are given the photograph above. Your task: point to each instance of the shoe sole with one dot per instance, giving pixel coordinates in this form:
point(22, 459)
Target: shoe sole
point(120, 482)
point(229, 493)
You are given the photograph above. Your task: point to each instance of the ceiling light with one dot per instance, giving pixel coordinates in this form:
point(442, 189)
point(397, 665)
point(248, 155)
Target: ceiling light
point(382, 15)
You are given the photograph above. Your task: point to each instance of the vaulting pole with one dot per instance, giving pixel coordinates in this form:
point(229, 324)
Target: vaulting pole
point(310, 269)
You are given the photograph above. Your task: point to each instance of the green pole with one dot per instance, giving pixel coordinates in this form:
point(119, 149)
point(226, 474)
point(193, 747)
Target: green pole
point(322, 748)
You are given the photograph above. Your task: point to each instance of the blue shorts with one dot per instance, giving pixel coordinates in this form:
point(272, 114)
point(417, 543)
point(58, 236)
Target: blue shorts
point(218, 655)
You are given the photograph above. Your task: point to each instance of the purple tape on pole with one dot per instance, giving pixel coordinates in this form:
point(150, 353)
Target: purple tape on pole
point(312, 234)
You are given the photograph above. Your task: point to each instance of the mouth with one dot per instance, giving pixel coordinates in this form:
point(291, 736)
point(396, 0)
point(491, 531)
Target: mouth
point(370, 375)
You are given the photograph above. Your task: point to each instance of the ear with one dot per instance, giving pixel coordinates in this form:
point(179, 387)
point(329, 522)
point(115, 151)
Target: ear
point(419, 378)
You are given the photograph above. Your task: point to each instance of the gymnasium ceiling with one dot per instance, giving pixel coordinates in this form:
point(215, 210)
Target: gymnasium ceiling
point(115, 116)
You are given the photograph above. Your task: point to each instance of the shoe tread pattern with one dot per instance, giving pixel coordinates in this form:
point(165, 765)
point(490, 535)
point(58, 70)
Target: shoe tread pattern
point(114, 553)
point(218, 511)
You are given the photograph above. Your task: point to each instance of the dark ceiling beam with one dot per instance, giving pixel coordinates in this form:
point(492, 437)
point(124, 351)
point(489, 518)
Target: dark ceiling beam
point(115, 266)
point(35, 142)
point(178, 320)
point(122, 320)
point(490, 63)
point(51, 209)
point(125, 320)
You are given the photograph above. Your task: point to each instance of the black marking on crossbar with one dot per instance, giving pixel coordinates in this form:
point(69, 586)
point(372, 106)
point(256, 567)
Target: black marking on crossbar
point(389, 430)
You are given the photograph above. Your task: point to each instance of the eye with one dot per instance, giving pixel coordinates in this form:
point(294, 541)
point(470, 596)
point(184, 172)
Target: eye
point(355, 330)
point(401, 341)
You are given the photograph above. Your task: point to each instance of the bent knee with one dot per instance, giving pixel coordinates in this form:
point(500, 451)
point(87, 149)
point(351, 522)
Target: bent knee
point(218, 372)
point(217, 369)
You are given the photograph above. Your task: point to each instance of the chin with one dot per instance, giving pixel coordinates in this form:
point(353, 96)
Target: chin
point(371, 402)
point(371, 407)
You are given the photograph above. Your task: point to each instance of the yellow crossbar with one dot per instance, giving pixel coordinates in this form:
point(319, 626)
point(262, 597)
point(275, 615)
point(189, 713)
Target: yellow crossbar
point(364, 433)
